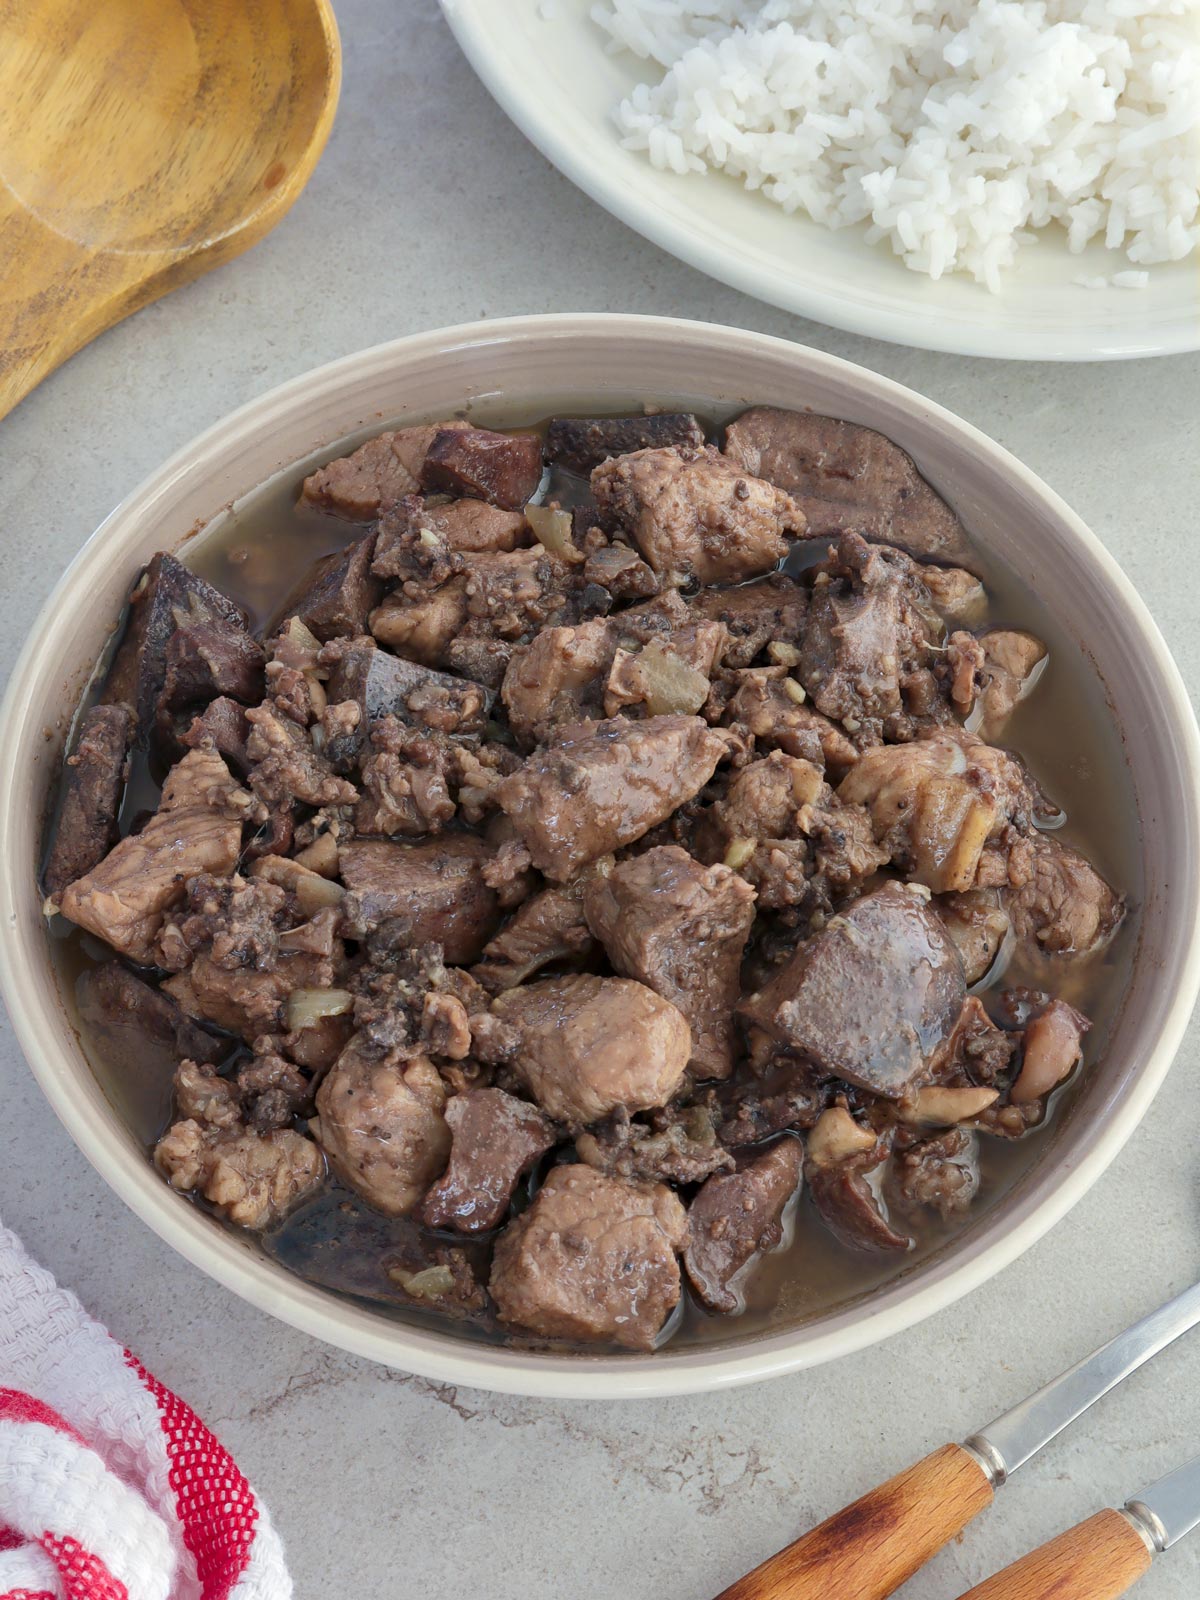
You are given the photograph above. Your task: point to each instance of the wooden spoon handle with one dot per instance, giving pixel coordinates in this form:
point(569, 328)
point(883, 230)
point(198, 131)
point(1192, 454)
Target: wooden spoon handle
point(1098, 1560)
point(868, 1550)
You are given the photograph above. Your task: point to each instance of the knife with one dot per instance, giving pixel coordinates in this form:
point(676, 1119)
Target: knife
point(871, 1547)
point(1106, 1555)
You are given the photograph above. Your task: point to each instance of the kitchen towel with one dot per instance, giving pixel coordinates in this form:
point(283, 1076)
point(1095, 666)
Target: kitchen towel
point(111, 1488)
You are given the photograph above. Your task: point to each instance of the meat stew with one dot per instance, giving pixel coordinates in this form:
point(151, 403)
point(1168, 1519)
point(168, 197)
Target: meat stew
point(622, 827)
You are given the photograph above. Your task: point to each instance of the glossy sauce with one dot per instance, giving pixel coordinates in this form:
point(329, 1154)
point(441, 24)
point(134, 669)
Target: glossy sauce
point(258, 552)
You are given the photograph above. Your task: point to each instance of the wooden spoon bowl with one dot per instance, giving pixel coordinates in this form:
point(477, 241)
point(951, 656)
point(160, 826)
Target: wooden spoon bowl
point(140, 145)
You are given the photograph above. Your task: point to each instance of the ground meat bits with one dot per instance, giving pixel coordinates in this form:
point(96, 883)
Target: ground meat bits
point(604, 835)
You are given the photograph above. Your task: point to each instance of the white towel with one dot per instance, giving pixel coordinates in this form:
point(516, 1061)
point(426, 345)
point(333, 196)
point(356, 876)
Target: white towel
point(110, 1487)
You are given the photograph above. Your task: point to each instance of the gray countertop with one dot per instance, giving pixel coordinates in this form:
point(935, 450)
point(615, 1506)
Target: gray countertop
point(430, 208)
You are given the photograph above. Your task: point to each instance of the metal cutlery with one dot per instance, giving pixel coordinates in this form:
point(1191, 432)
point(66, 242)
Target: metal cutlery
point(870, 1548)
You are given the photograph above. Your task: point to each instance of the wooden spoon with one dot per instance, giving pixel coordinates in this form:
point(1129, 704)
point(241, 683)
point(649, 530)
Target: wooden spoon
point(141, 143)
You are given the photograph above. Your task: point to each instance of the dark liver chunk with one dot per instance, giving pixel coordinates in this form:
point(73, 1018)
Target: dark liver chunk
point(496, 1138)
point(94, 782)
point(134, 1018)
point(845, 476)
point(734, 1217)
point(341, 594)
point(503, 469)
point(222, 724)
point(680, 928)
point(384, 685)
point(873, 998)
point(428, 893)
point(184, 642)
point(847, 1205)
point(581, 443)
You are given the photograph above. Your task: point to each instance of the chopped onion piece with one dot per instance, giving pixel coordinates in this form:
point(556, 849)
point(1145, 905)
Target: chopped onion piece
point(552, 529)
point(313, 893)
point(429, 1284)
point(671, 684)
point(308, 1006)
point(320, 856)
point(739, 852)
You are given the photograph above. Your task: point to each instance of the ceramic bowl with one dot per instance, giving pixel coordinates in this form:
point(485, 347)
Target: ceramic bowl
point(534, 366)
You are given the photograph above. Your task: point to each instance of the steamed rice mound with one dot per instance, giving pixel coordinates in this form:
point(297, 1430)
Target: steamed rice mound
point(951, 129)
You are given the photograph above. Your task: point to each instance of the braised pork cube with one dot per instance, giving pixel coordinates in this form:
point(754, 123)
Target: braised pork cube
point(222, 726)
point(94, 783)
point(380, 1121)
point(496, 1139)
point(773, 710)
point(846, 476)
point(474, 525)
point(380, 684)
point(134, 1021)
point(236, 957)
point(557, 678)
point(422, 626)
point(434, 892)
point(386, 468)
point(696, 516)
point(755, 614)
point(958, 596)
point(838, 1158)
point(593, 1258)
point(765, 799)
point(735, 1217)
point(581, 443)
point(502, 468)
point(549, 927)
point(865, 636)
point(936, 803)
point(939, 1174)
point(978, 924)
point(589, 1046)
point(602, 785)
point(286, 766)
point(681, 929)
point(197, 828)
point(213, 653)
point(337, 599)
point(1013, 662)
point(252, 1179)
point(1059, 904)
point(873, 998)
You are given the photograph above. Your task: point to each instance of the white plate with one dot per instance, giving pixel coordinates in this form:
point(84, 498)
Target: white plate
point(546, 64)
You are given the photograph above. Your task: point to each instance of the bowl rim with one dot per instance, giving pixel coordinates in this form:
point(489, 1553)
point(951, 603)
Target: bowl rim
point(443, 1357)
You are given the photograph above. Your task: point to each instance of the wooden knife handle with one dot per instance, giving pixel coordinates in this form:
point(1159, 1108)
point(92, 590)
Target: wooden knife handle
point(1098, 1560)
point(868, 1550)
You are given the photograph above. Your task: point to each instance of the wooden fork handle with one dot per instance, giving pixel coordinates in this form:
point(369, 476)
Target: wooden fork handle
point(1098, 1560)
point(868, 1550)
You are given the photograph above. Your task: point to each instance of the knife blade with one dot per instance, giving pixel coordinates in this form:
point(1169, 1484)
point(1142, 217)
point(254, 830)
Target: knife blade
point(870, 1548)
point(1012, 1438)
point(1104, 1557)
point(1171, 1507)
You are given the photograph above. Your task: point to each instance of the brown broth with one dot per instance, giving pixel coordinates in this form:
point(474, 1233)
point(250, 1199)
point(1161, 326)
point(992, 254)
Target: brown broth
point(258, 550)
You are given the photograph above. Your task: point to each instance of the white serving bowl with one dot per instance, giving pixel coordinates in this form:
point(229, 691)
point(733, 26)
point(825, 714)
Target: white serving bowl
point(537, 365)
point(546, 64)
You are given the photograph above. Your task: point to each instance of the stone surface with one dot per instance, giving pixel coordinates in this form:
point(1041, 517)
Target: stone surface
point(628, 1501)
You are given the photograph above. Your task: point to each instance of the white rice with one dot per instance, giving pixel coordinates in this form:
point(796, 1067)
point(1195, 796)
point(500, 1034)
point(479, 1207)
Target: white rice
point(953, 128)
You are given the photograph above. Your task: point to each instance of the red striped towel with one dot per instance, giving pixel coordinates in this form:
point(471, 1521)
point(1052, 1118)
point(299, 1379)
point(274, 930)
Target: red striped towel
point(110, 1487)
